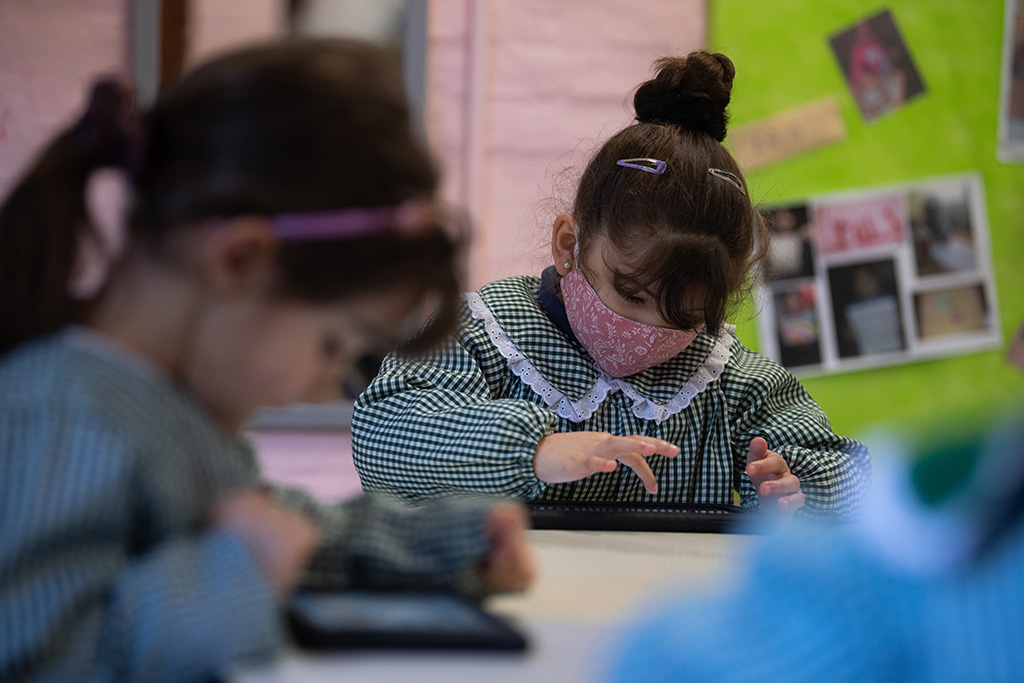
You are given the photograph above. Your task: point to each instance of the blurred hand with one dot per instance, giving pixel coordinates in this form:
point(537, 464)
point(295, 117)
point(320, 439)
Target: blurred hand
point(777, 487)
point(509, 567)
point(281, 540)
point(575, 455)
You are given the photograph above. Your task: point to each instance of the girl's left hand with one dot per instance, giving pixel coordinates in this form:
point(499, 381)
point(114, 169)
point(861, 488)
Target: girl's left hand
point(280, 539)
point(776, 486)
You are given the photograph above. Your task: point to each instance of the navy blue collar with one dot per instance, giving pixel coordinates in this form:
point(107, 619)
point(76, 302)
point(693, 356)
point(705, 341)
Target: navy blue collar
point(552, 303)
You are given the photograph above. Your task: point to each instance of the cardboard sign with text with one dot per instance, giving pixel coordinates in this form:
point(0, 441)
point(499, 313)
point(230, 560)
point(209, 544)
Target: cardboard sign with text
point(788, 133)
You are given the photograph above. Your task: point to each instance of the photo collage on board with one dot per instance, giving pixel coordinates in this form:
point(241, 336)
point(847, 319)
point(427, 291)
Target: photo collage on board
point(878, 277)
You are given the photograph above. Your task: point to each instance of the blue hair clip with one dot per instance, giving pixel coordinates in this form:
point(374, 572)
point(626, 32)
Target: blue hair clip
point(649, 165)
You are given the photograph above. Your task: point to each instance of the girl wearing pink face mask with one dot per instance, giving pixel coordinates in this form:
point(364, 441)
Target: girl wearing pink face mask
point(619, 353)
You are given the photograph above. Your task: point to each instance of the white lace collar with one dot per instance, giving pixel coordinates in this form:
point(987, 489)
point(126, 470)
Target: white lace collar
point(578, 411)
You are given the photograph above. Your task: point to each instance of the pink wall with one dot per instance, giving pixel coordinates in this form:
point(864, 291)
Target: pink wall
point(50, 51)
point(518, 91)
point(317, 462)
point(219, 25)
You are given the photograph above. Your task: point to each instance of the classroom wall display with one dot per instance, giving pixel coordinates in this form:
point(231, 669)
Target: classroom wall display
point(783, 57)
point(877, 65)
point(1011, 91)
point(879, 276)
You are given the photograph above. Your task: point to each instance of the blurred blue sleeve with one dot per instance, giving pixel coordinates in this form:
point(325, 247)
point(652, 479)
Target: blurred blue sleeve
point(925, 588)
point(808, 610)
point(188, 609)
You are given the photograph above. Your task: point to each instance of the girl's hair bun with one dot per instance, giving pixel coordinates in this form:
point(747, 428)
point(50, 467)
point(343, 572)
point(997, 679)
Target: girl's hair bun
point(691, 92)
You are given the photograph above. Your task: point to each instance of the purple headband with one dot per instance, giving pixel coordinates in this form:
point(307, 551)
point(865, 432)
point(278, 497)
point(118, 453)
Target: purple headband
point(409, 218)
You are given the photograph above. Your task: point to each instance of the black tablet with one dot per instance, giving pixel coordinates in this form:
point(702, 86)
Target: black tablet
point(396, 620)
point(619, 516)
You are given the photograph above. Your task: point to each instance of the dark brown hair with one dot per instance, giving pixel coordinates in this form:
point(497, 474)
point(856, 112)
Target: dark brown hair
point(696, 236)
point(302, 125)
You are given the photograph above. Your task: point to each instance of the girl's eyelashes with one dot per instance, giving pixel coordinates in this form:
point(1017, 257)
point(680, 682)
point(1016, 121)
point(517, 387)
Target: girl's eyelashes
point(630, 296)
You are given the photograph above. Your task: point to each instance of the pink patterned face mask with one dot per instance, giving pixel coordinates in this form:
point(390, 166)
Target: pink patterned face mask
point(621, 346)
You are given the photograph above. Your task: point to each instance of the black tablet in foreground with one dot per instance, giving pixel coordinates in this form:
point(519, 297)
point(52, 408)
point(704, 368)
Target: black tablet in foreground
point(397, 620)
point(616, 516)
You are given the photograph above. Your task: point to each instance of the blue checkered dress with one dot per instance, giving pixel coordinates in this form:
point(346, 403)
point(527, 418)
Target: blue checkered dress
point(108, 473)
point(469, 416)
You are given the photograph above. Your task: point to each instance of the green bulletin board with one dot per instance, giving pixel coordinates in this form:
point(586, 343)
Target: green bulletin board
point(783, 58)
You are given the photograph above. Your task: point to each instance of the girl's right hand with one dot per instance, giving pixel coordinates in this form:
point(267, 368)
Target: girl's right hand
point(509, 566)
point(282, 540)
point(575, 455)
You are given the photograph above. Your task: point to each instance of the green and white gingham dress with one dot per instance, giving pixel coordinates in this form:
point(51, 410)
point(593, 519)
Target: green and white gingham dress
point(469, 416)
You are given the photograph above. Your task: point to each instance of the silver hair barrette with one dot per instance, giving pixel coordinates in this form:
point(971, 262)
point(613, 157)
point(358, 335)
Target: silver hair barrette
point(649, 165)
point(728, 177)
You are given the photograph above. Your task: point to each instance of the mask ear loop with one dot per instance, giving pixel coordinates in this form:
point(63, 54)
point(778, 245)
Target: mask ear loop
point(576, 246)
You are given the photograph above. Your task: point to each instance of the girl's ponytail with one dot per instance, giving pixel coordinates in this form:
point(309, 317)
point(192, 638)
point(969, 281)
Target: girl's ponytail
point(44, 219)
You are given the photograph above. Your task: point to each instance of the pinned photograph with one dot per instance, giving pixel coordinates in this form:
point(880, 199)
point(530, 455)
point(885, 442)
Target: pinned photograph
point(951, 312)
point(940, 222)
point(1011, 92)
point(877, 66)
point(791, 252)
point(865, 303)
point(798, 329)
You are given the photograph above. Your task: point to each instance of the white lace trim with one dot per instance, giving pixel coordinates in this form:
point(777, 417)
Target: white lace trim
point(578, 411)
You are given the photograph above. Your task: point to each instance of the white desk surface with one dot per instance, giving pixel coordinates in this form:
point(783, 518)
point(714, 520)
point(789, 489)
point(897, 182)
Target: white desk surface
point(587, 581)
